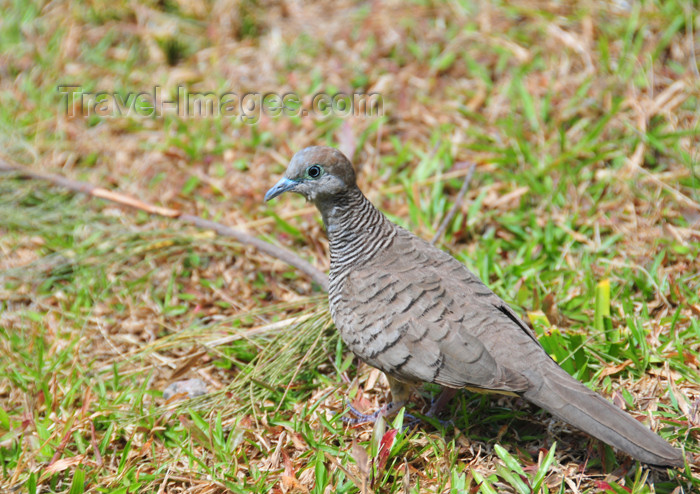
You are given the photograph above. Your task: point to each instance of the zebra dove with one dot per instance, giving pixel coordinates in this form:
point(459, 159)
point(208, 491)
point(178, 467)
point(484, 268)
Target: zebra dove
point(416, 313)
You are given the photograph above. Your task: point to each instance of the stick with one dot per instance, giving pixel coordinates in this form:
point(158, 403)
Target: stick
point(458, 202)
point(274, 251)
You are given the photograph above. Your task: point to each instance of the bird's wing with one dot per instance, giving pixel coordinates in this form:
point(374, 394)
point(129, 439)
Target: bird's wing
point(419, 315)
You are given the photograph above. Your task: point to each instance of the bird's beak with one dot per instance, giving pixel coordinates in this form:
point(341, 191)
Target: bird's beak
point(280, 187)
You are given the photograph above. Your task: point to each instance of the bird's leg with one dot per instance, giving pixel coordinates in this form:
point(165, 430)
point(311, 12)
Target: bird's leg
point(400, 393)
point(437, 406)
point(441, 402)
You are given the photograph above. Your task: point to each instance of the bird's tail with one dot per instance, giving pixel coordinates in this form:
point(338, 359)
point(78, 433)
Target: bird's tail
point(572, 402)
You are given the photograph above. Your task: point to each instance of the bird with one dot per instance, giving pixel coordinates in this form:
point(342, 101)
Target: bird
point(416, 313)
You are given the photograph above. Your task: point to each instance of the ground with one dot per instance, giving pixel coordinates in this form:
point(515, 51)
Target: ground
point(581, 120)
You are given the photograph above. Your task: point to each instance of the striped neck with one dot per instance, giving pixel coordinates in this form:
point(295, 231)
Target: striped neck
point(357, 231)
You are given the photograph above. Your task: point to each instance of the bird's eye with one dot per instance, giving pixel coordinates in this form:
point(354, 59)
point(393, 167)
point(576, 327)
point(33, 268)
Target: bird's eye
point(314, 171)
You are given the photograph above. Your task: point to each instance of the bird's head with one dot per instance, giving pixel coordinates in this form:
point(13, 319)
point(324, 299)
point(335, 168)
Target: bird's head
point(317, 173)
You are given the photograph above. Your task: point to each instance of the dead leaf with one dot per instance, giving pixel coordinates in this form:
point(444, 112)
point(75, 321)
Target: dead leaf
point(695, 308)
point(374, 374)
point(614, 369)
point(291, 484)
point(550, 309)
point(63, 464)
point(145, 449)
point(359, 454)
point(298, 441)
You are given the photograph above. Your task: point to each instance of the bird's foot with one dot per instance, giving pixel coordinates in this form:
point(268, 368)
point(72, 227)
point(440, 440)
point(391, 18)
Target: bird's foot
point(436, 407)
point(410, 422)
point(358, 417)
point(385, 411)
point(434, 421)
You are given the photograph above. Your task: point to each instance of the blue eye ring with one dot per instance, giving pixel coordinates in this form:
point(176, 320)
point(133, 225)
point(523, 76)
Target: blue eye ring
point(314, 171)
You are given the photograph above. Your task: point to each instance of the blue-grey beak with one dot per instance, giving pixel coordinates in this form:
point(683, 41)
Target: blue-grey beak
point(280, 187)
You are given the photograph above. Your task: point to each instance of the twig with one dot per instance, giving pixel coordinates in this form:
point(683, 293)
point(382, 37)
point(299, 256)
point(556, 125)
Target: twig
point(272, 250)
point(244, 238)
point(457, 204)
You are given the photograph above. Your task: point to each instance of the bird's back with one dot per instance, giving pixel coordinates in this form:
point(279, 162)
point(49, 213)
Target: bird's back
point(418, 314)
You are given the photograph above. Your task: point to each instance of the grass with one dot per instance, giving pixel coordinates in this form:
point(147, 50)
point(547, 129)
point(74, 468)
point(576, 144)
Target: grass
point(583, 212)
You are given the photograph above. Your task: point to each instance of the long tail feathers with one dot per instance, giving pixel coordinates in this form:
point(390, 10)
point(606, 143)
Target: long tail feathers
point(574, 403)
